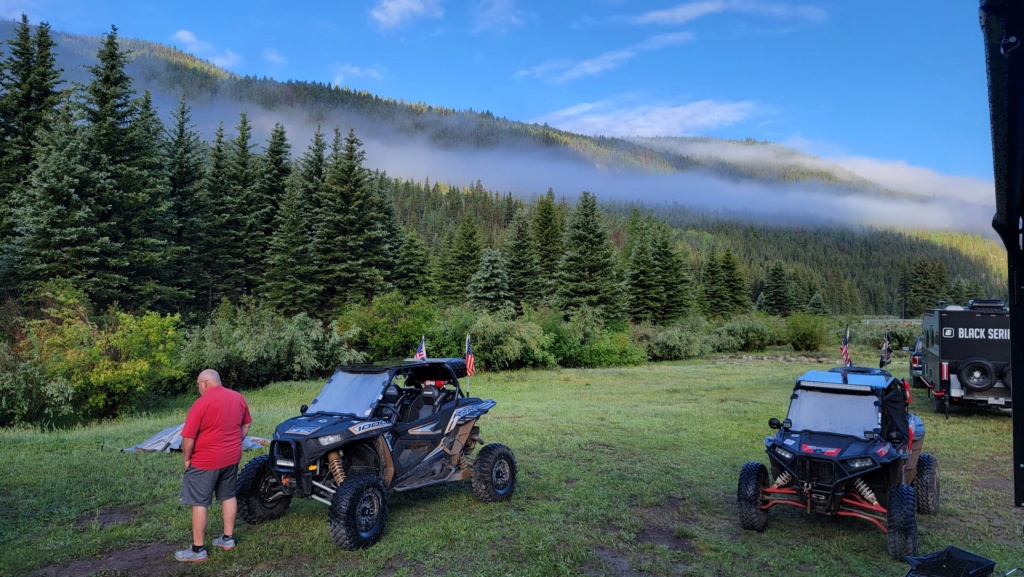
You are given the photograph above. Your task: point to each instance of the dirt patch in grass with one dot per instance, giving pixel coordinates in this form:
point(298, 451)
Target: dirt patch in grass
point(667, 525)
point(107, 517)
point(614, 560)
point(155, 559)
point(288, 565)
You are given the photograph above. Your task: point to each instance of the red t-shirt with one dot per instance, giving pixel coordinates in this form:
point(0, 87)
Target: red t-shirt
point(215, 422)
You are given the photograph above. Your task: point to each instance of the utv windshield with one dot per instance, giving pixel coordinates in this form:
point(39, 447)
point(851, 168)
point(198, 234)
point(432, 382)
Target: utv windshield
point(349, 393)
point(830, 412)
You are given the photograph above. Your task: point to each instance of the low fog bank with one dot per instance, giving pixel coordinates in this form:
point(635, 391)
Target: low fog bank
point(527, 174)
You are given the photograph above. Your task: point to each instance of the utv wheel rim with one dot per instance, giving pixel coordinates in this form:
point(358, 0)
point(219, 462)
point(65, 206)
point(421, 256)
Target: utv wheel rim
point(367, 512)
point(501, 476)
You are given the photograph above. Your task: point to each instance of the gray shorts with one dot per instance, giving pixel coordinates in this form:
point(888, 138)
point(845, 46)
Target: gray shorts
point(199, 485)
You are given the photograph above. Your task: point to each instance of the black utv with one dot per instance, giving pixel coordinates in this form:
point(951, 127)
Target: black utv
point(374, 429)
point(848, 447)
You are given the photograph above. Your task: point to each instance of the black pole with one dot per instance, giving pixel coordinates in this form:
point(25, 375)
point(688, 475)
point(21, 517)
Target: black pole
point(1002, 25)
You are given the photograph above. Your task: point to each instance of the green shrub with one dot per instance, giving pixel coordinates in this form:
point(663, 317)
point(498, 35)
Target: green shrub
point(901, 333)
point(390, 326)
point(585, 341)
point(447, 338)
point(502, 344)
point(807, 332)
point(687, 339)
point(108, 367)
point(251, 345)
point(748, 333)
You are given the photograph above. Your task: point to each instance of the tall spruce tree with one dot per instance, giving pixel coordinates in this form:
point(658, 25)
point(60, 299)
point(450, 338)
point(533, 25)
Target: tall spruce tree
point(273, 170)
point(412, 274)
point(645, 291)
point(733, 283)
point(289, 280)
point(57, 232)
point(29, 78)
point(184, 159)
point(123, 133)
point(548, 230)
point(248, 219)
point(218, 261)
point(779, 298)
point(716, 300)
point(676, 283)
point(488, 287)
point(459, 261)
point(587, 273)
point(524, 277)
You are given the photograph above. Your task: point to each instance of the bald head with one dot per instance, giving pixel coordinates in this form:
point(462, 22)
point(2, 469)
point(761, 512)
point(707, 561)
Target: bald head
point(207, 380)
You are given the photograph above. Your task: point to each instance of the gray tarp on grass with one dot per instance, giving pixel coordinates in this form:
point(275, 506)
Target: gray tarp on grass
point(169, 440)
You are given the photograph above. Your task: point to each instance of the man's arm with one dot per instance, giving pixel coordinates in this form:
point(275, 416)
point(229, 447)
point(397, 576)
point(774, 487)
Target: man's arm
point(245, 430)
point(187, 445)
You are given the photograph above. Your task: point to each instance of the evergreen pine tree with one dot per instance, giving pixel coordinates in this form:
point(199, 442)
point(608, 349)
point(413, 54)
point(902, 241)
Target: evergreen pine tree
point(289, 279)
point(248, 220)
point(29, 78)
point(57, 233)
point(268, 193)
point(548, 230)
point(524, 277)
point(778, 291)
point(676, 283)
point(587, 273)
point(488, 287)
point(817, 306)
point(459, 261)
point(220, 266)
point(412, 274)
point(733, 283)
point(645, 290)
point(717, 301)
point(184, 158)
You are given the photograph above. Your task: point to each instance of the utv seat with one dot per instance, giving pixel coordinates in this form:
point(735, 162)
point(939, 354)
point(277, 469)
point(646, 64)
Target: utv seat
point(422, 406)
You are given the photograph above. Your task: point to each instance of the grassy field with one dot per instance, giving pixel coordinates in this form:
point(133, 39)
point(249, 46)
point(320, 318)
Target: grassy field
point(621, 472)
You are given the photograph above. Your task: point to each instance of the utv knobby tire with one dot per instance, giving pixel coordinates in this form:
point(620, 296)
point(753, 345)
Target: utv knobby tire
point(494, 473)
point(358, 513)
point(926, 485)
point(977, 375)
point(259, 494)
point(753, 481)
point(901, 522)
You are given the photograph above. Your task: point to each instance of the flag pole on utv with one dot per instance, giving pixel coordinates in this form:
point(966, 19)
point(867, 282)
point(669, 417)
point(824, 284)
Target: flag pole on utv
point(470, 363)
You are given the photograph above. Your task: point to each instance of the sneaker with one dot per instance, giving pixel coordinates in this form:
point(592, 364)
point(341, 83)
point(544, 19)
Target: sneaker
point(187, 554)
point(225, 544)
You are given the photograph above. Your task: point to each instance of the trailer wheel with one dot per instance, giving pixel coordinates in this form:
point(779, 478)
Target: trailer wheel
point(977, 374)
point(1006, 377)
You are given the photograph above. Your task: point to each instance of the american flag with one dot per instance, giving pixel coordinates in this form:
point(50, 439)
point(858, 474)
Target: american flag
point(885, 357)
point(421, 353)
point(470, 363)
point(845, 347)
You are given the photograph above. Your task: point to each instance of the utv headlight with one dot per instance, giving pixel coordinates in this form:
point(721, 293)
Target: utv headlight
point(787, 455)
point(285, 463)
point(329, 439)
point(860, 463)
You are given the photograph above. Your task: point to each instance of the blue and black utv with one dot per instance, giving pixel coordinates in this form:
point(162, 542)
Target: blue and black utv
point(374, 429)
point(848, 447)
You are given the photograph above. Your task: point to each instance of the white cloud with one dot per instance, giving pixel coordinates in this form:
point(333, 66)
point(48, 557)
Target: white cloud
point(273, 56)
point(497, 15)
point(343, 71)
point(191, 43)
point(564, 70)
point(607, 119)
point(391, 13)
point(898, 175)
point(684, 13)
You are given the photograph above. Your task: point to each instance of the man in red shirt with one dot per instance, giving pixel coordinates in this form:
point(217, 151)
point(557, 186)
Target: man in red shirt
point(212, 446)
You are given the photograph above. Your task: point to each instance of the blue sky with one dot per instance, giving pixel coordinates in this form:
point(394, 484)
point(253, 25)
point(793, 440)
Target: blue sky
point(896, 89)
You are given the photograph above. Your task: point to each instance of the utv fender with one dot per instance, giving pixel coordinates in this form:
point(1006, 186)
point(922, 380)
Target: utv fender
point(977, 374)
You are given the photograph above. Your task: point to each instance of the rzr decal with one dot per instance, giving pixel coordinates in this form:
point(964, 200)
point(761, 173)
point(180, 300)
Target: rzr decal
point(371, 426)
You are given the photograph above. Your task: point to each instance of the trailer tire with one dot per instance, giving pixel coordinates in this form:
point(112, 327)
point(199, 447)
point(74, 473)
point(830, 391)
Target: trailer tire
point(977, 375)
point(1006, 377)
